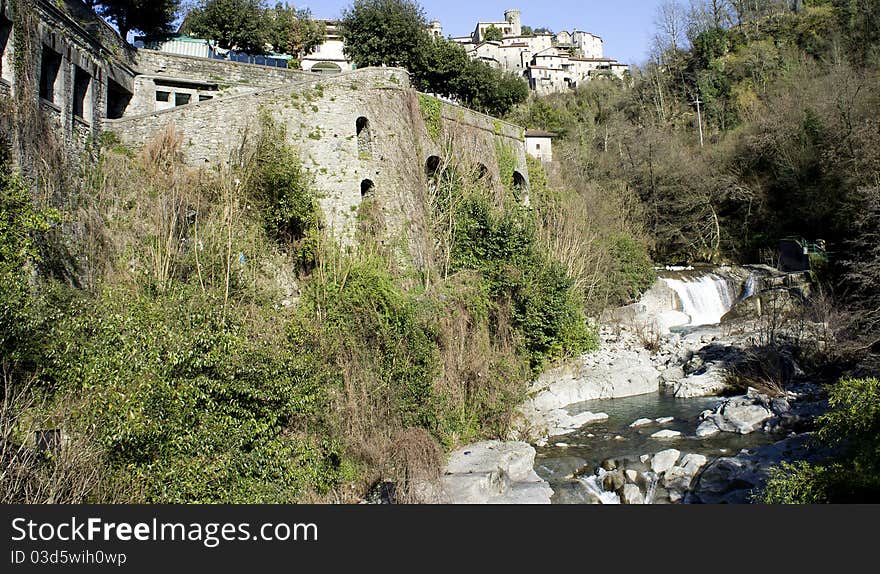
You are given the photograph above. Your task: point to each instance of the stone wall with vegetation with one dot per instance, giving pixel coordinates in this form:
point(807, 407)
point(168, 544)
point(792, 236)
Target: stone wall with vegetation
point(388, 160)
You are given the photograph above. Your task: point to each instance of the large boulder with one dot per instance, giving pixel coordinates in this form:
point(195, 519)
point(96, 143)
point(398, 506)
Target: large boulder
point(631, 494)
point(629, 375)
point(710, 382)
point(735, 480)
point(494, 472)
point(741, 415)
point(664, 460)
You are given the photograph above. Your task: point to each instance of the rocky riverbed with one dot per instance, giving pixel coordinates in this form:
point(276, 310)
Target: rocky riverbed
point(644, 419)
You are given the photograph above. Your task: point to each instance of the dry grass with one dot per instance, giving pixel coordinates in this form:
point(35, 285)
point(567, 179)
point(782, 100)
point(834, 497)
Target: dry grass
point(769, 370)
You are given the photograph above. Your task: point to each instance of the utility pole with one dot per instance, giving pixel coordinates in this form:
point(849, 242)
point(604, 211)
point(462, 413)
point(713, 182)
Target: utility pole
point(699, 118)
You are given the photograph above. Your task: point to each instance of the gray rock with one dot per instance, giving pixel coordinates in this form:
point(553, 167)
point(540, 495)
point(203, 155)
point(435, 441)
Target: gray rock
point(741, 415)
point(709, 383)
point(609, 464)
point(692, 463)
point(494, 473)
point(707, 428)
point(734, 480)
point(672, 375)
point(632, 495)
point(665, 420)
point(642, 423)
point(665, 460)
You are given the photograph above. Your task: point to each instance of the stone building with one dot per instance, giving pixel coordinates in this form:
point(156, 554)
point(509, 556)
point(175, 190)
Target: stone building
point(549, 62)
point(77, 71)
point(361, 134)
point(329, 57)
point(539, 145)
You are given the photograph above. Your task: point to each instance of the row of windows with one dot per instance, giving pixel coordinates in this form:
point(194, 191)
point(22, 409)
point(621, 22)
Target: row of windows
point(180, 98)
point(52, 85)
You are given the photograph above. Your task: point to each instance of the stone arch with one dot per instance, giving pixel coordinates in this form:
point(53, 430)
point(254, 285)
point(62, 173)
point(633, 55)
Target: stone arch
point(432, 166)
point(328, 68)
point(368, 188)
point(364, 136)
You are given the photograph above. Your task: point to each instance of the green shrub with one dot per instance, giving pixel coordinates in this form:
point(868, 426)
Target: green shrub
point(432, 114)
point(191, 402)
point(851, 428)
point(632, 271)
point(284, 194)
point(23, 230)
point(501, 243)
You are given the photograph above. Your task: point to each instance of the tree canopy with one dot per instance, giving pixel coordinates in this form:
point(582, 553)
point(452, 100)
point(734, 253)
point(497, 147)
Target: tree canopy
point(294, 31)
point(394, 33)
point(147, 16)
point(385, 33)
point(250, 26)
point(233, 24)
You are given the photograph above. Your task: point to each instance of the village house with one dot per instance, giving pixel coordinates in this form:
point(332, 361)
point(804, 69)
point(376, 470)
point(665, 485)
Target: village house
point(539, 145)
point(551, 63)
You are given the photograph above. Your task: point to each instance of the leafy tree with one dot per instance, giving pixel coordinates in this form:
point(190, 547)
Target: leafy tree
point(233, 24)
point(492, 34)
point(294, 31)
point(385, 33)
point(147, 16)
point(394, 33)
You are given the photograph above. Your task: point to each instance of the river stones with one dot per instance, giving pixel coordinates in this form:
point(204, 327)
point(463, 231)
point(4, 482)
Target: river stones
point(609, 464)
point(631, 494)
point(666, 434)
point(494, 472)
point(665, 460)
point(642, 423)
point(613, 481)
point(741, 415)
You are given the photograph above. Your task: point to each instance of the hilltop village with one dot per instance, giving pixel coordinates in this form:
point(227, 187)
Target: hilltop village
point(550, 62)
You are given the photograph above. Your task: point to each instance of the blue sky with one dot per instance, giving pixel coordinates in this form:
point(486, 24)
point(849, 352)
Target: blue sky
point(626, 25)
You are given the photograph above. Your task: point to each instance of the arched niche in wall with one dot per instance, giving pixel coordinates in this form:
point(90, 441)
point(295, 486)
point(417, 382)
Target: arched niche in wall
point(520, 186)
point(364, 137)
point(368, 188)
point(326, 68)
point(432, 166)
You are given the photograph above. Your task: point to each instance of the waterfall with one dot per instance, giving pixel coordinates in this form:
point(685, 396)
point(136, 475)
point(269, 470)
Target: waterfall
point(652, 487)
point(750, 288)
point(704, 299)
point(594, 486)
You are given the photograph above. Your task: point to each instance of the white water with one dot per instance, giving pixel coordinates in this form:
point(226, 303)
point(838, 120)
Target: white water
point(652, 487)
point(594, 486)
point(704, 299)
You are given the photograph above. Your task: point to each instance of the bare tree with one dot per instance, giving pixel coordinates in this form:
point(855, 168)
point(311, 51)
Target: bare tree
point(671, 22)
point(705, 15)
